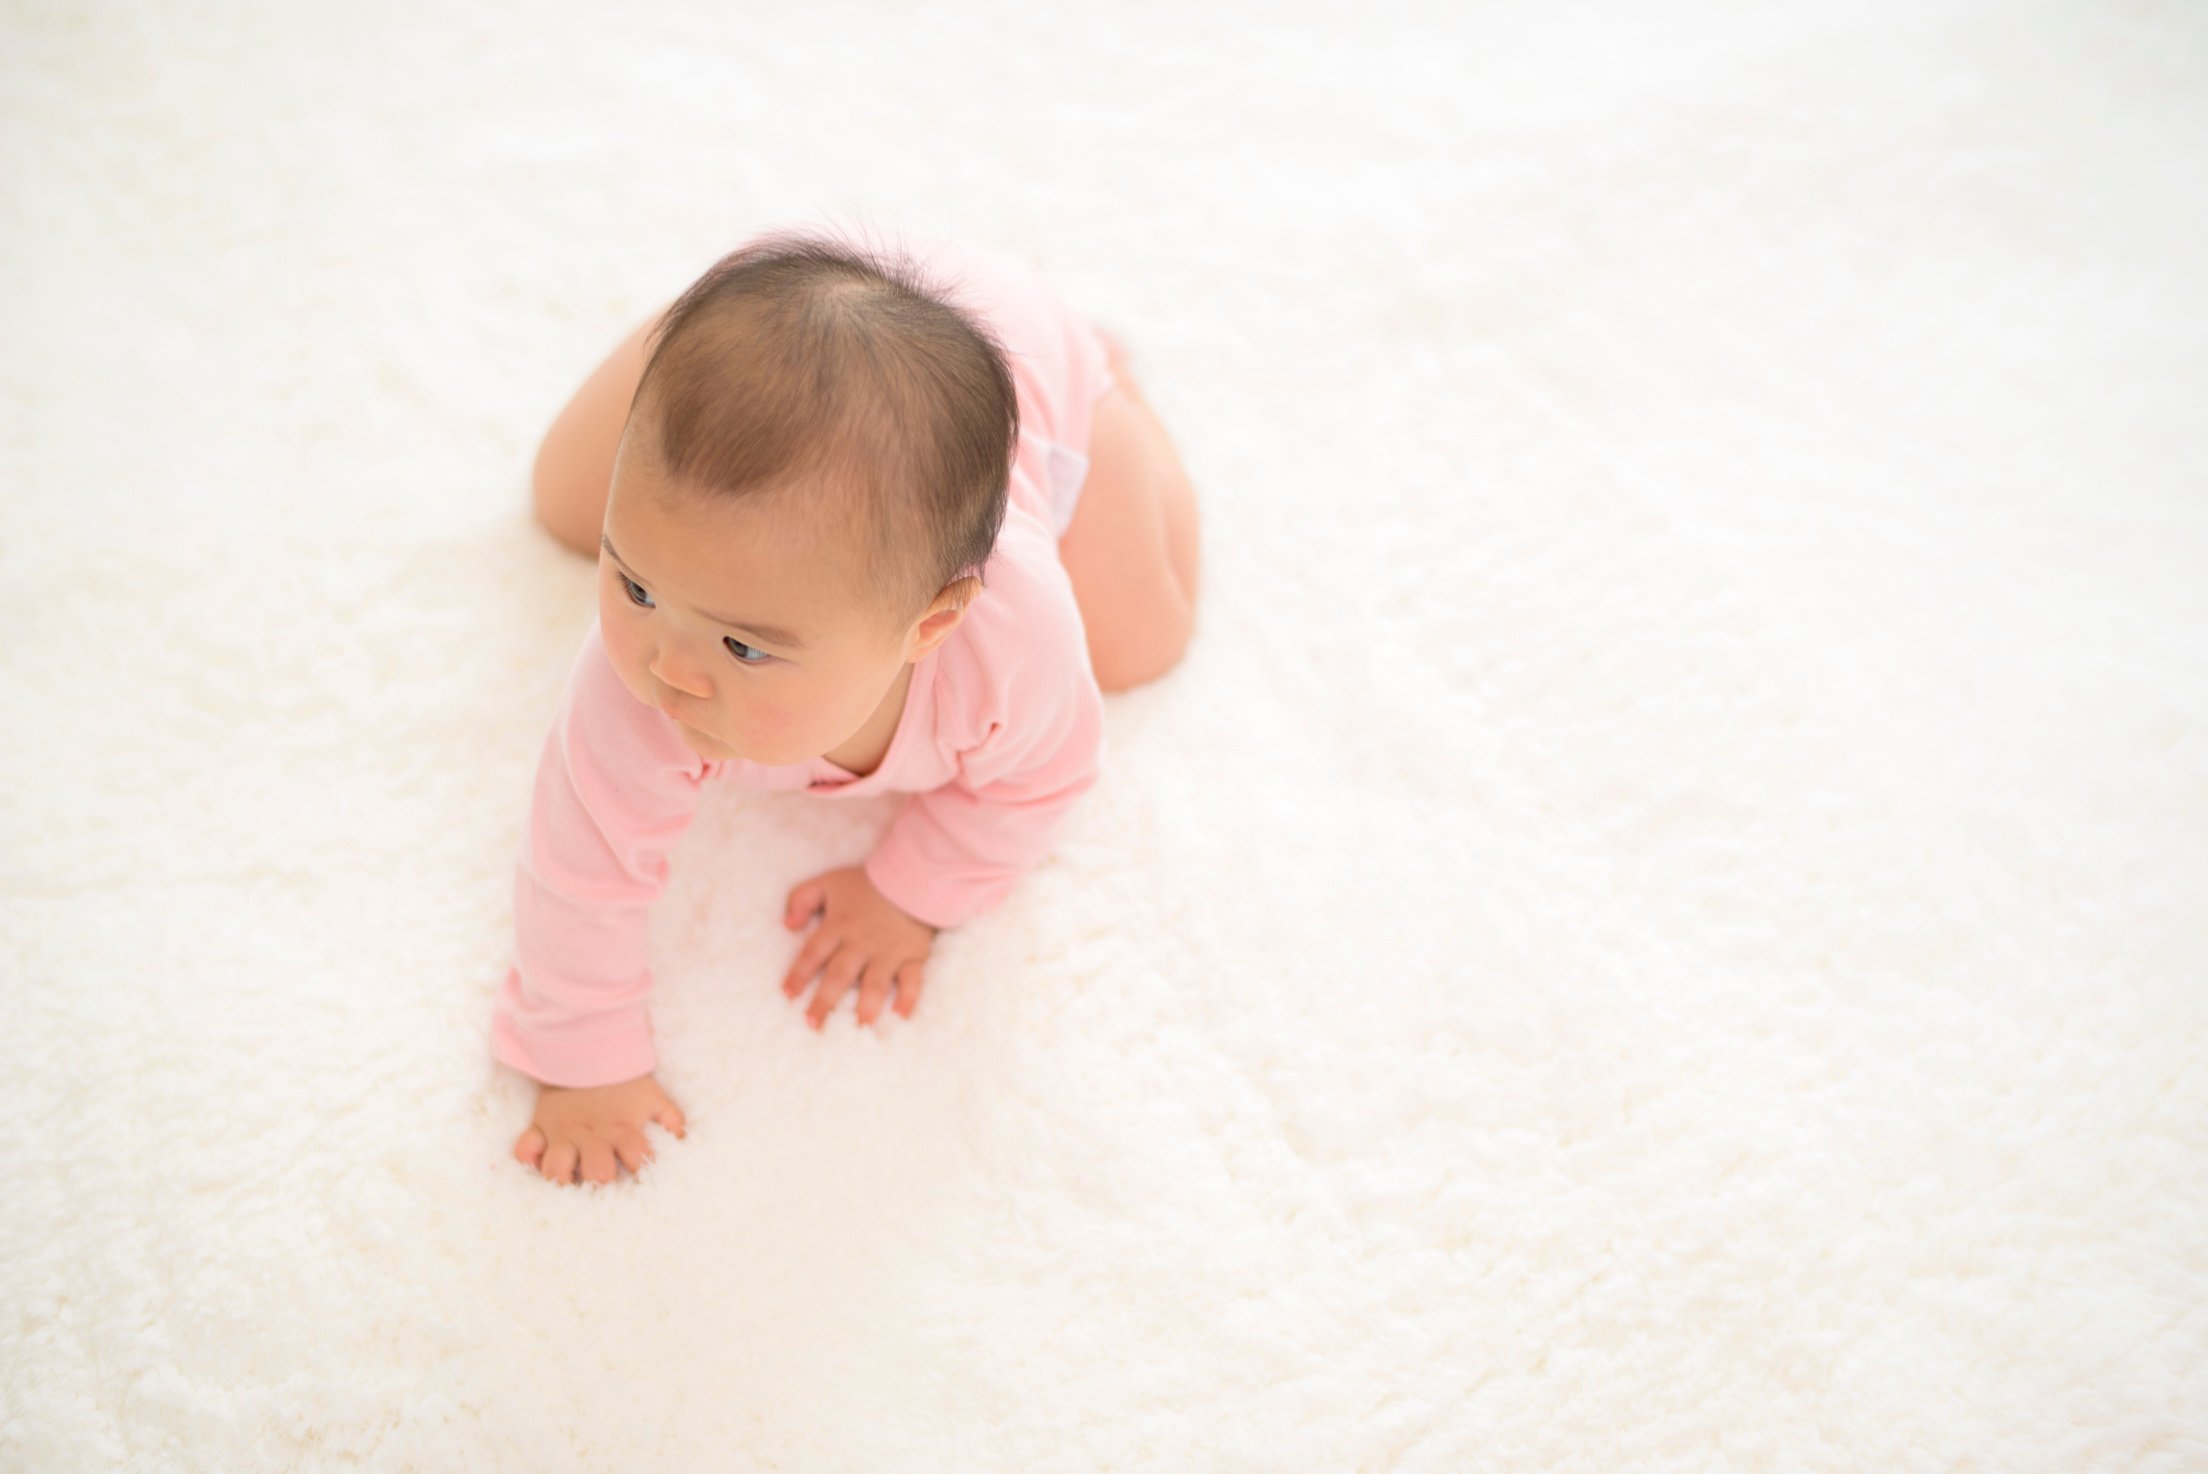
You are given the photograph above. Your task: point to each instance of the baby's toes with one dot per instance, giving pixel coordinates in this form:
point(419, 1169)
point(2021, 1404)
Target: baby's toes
point(597, 1162)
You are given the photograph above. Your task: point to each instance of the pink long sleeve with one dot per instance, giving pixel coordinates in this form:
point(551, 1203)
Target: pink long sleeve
point(615, 789)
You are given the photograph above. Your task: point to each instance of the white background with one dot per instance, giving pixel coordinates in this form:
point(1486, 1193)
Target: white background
point(1661, 925)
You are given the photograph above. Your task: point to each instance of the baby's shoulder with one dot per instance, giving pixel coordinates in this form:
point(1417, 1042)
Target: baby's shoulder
point(1021, 648)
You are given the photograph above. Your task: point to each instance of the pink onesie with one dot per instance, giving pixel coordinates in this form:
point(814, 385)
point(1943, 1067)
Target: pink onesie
point(1000, 734)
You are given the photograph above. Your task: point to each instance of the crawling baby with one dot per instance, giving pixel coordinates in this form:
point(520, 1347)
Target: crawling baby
point(867, 520)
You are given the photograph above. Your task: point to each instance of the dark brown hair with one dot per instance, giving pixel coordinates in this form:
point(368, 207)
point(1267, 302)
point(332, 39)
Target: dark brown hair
point(838, 381)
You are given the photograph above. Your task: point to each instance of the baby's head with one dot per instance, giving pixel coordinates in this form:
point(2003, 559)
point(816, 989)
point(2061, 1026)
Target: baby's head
point(812, 475)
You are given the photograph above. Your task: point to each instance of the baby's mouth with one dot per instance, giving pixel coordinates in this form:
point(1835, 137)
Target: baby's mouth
point(705, 744)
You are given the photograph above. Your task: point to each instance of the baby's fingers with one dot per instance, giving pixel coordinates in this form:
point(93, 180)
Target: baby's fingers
point(835, 981)
point(631, 1149)
point(908, 989)
point(814, 955)
point(804, 903)
point(874, 990)
point(559, 1162)
point(670, 1116)
point(598, 1162)
point(529, 1147)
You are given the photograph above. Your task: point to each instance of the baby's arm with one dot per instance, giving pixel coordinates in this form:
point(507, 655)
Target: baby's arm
point(615, 789)
point(958, 850)
point(951, 854)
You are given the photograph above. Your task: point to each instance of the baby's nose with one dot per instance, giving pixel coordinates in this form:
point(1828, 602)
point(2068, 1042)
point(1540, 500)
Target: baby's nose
point(670, 670)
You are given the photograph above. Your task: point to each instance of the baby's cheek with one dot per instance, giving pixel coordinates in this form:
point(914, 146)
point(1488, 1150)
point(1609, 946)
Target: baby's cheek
point(765, 724)
point(622, 648)
point(788, 730)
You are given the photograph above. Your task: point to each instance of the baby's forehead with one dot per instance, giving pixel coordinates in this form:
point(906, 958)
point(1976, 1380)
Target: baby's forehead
point(759, 560)
point(825, 509)
point(810, 522)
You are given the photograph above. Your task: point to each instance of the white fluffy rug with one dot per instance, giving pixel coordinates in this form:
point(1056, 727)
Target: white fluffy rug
point(1662, 925)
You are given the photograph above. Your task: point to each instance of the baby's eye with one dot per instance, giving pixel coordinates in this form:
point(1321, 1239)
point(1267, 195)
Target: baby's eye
point(635, 591)
point(739, 649)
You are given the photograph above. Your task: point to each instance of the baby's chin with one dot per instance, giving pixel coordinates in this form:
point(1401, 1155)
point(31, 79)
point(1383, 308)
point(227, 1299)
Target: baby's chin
point(705, 745)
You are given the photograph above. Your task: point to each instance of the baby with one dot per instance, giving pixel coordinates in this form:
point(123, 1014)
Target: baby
point(866, 521)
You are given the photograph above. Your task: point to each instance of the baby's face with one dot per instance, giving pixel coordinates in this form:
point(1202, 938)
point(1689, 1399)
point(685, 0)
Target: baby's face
point(710, 614)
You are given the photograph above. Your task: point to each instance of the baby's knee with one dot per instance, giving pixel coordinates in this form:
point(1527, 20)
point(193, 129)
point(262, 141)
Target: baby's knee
point(568, 507)
point(1141, 650)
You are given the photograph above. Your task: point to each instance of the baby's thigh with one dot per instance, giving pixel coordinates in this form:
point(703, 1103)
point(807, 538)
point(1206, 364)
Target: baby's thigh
point(1131, 549)
point(574, 468)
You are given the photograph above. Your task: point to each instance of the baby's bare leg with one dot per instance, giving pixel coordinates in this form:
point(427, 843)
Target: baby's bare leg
point(1131, 550)
point(575, 464)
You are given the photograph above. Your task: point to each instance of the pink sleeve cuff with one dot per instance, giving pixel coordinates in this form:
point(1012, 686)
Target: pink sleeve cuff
point(938, 899)
point(615, 1051)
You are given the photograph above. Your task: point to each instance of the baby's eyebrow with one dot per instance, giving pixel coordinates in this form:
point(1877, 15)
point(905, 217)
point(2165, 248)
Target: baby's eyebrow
point(772, 634)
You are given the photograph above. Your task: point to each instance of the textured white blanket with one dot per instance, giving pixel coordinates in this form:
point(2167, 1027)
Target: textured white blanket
point(1662, 925)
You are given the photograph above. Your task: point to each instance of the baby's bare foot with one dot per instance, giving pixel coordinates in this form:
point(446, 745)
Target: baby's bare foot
point(595, 1131)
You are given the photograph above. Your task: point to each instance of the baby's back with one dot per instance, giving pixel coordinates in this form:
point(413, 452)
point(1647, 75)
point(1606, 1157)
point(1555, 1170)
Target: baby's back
point(1059, 364)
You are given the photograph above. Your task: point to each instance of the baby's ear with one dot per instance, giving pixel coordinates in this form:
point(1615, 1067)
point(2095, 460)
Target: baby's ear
point(960, 592)
point(948, 609)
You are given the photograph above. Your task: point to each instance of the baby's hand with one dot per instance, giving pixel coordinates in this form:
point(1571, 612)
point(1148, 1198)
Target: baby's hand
point(862, 939)
point(595, 1128)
